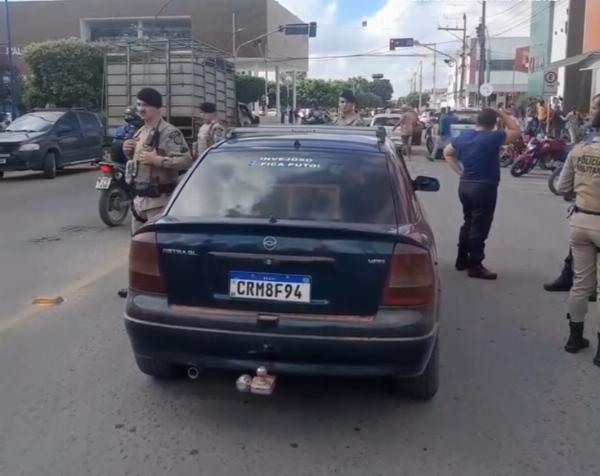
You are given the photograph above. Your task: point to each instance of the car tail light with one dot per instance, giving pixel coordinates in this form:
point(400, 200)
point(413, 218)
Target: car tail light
point(144, 272)
point(411, 281)
point(106, 169)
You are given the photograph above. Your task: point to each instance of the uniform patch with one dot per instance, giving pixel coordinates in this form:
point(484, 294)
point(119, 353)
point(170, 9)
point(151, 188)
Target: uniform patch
point(177, 137)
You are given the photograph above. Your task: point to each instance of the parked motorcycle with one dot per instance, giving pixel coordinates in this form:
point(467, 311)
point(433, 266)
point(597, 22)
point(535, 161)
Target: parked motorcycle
point(116, 195)
point(510, 152)
point(429, 141)
point(545, 152)
point(316, 117)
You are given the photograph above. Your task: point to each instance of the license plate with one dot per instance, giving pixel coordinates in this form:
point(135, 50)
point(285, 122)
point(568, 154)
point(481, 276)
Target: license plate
point(102, 183)
point(269, 287)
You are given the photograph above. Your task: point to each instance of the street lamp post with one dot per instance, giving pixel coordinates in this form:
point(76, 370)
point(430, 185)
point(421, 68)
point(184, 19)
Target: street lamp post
point(11, 67)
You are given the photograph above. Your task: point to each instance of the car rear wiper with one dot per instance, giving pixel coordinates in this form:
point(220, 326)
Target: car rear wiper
point(19, 130)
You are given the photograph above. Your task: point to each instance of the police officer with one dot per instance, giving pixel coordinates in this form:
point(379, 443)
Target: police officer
point(156, 153)
point(581, 176)
point(347, 115)
point(212, 130)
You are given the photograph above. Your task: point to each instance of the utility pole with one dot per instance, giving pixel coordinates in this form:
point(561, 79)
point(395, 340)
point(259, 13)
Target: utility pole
point(420, 84)
point(434, 91)
point(481, 35)
point(463, 55)
point(11, 65)
point(233, 32)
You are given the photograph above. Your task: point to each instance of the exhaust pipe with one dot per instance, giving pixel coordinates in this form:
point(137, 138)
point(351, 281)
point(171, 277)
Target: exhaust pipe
point(193, 373)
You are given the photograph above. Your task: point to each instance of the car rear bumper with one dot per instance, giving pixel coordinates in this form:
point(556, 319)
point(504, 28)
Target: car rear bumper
point(337, 349)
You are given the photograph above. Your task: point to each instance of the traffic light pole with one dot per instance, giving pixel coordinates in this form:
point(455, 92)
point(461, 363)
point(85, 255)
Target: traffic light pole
point(481, 34)
point(463, 58)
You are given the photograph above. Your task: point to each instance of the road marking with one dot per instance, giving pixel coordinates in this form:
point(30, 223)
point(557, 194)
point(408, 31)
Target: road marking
point(70, 290)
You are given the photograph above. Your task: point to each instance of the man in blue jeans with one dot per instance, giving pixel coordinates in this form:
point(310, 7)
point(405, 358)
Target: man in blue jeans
point(474, 156)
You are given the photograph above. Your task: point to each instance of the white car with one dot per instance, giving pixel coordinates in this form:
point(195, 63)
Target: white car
point(389, 121)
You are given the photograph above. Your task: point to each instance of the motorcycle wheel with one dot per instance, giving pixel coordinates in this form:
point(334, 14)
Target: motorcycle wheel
point(518, 169)
point(553, 181)
point(429, 144)
point(113, 205)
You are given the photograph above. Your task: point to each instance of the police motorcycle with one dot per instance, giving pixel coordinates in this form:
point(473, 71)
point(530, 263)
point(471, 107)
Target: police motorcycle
point(116, 194)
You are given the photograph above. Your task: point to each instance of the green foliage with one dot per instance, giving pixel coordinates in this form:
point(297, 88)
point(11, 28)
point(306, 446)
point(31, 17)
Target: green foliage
point(368, 100)
point(412, 100)
point(382, 88)
point(249, 88)
point(65, 73)
point(319, 92)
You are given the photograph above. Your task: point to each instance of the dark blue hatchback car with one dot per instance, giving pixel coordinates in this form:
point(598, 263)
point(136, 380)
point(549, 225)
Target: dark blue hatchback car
point(301, 250)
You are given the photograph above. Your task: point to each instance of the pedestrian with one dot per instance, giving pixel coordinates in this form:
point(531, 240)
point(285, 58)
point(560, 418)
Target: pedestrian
point(347, 114)
point(211, 131)
point(581, 176)
point(573, 121)
point(156, 153)
point(565, 279)
point(558, 122)
point(542, 115)
point(132, 123)
point(405, 128)
point(474, 156)
point(447, 118)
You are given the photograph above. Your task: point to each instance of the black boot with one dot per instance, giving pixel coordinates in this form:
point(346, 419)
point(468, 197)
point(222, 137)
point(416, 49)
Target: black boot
point(576, 340)
point(597, 358)
point(462, 261)
point(481, 272)
point(122, 293)
point(564, 282)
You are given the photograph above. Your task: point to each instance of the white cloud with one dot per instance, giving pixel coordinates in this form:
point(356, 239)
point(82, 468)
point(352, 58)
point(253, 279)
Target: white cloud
point(418, 19)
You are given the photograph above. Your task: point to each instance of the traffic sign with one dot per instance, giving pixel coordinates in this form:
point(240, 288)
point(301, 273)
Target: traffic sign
point(551, 82)
point(401, 43)
point(486, 90)
point(309, 29)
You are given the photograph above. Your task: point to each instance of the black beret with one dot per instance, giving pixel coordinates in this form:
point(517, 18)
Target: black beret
point(348, 96)
point(208, 107)
point(151, 97)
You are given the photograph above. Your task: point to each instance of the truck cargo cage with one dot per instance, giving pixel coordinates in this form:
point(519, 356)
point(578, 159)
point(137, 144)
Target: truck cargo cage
point(273, 131)
point(186, 72)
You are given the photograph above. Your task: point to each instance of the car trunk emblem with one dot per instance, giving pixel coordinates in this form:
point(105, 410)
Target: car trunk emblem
point(270, 243)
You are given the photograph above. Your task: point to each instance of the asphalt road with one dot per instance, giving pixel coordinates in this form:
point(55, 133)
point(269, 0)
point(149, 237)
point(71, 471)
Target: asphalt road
point(72, 402)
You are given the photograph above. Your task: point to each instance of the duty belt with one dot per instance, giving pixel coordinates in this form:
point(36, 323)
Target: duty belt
point(155, 191)
point(585, 212)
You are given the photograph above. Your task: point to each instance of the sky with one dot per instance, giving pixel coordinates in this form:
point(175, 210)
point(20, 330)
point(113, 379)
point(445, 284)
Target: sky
point(339, 32)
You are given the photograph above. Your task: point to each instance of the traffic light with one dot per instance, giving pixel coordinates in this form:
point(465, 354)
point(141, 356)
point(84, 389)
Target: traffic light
point(401, 43)
point(480, 32)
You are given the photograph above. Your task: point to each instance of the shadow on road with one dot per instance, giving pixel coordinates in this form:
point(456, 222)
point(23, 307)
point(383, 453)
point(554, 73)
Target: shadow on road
point(12, 177)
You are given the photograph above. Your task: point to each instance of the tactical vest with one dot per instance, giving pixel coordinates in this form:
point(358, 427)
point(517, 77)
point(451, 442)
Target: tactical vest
point(586, 164)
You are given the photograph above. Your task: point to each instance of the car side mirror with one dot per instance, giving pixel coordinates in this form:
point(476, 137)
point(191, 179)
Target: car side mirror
point(426, 184)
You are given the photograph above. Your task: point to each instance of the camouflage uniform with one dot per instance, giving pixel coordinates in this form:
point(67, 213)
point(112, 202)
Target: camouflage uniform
point(176, 157)
point(209, 135)
point(352, 120)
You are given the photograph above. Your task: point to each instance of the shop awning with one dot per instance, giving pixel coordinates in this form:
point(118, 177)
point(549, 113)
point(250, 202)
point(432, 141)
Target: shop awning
point(584, 58)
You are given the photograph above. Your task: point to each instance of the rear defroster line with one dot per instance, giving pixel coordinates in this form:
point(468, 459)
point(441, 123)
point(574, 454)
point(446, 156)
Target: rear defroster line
point(64, 294)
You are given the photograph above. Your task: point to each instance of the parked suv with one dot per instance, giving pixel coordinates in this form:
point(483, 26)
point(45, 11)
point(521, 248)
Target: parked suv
point(51, 139)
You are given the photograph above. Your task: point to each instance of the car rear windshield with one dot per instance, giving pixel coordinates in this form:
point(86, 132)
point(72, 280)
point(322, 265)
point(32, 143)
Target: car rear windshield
point(35, 122)
point(345, 187)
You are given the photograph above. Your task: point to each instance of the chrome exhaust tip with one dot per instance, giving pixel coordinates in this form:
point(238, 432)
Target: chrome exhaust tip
point(193, 373)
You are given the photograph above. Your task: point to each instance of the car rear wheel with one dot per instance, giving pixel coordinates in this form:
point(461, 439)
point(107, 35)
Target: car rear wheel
point(50, 165)
point(425, 386)
point(158, 369)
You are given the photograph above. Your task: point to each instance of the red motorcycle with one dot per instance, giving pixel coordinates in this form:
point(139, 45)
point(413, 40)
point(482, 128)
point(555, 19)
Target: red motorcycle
point(509, 153)
point(545, 152)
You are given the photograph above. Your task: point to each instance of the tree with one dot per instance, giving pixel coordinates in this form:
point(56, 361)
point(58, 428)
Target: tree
point(318, 92)
point(412, 100)
point(65, 73)
point(368, 100)
point(249, 88)
point(383, 88)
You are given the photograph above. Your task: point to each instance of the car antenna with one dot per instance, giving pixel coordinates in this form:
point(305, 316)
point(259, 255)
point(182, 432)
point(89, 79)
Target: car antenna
point(297, 144)
point(272, 219)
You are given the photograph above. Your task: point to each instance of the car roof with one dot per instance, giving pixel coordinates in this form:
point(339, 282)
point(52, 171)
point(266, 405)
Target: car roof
point(318, 141)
